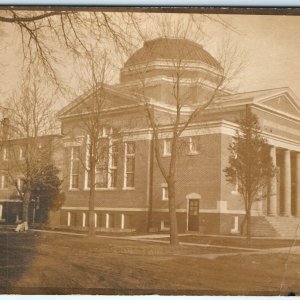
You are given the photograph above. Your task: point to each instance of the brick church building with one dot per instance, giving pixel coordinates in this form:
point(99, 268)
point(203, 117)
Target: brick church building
point(131, 194)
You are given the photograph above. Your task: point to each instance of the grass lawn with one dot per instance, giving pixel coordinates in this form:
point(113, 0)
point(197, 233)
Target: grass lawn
point(52, 263)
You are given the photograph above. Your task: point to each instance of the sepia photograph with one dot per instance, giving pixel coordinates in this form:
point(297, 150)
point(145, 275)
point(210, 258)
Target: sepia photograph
point(149, 151)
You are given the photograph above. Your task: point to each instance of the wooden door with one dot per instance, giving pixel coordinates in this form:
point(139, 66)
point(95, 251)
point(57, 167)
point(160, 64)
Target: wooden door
point(193, 221)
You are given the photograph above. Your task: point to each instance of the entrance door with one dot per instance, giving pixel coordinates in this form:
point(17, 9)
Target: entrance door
point(193, 224)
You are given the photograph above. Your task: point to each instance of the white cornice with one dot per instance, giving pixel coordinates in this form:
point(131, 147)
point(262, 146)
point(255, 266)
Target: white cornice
point(174, 64)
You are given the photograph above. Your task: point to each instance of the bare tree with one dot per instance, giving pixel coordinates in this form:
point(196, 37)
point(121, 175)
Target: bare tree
point(25, 139)
point(183, 104)
point(99, 155)
point(47, 36)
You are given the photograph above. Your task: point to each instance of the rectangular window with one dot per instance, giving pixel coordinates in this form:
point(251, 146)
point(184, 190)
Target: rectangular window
point(165, 194)
point(22, 153)
point(87, 182)
point(167, 147)
point(74, 178)
point(101, 170)
point(194, 145)
point(129, 165)
point(4, 153)
point(113, 164)
point(4, 182)
point(164, 225)
point(20, 183)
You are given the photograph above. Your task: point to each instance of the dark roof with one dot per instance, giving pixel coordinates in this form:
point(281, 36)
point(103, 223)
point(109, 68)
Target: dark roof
point(171, 48)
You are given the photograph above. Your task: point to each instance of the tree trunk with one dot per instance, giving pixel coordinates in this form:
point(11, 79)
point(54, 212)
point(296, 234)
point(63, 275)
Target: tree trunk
point(172, 214)
point(248, 226)
point(26, 201)
point(92, 230)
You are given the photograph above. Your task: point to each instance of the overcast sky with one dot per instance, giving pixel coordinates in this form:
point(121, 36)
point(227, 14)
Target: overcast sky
point(272, 47)
point(270, 43)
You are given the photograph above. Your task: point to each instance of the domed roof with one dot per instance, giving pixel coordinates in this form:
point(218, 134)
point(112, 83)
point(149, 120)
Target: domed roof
point(171, 48)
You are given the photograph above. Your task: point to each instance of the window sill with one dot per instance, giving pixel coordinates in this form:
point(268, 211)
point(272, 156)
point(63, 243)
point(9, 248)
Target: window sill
point(102, 189)
point(106, 189)
point(193, 153)
point(166, 155)
point(165, 229)
point(73, 189)
point(236, 193)
point(128, 188)
point(165, 200)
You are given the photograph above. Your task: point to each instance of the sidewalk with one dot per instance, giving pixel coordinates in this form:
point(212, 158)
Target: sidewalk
point(155, 238)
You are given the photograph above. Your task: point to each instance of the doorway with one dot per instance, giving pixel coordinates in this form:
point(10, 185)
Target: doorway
point(193, 215)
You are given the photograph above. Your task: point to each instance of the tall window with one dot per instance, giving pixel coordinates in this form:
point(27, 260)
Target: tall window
point(87, 163)
point(113, 164)
point(101, 170)
point(22, 153)
point(74, 179)
point(106, 165)
point(194, 145)
point(4, 153)
point(167, 147)
point(129, 164)
point(4, 182)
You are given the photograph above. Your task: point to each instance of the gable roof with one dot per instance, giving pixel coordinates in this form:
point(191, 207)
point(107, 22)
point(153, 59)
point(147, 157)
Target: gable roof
point(279, 100)
point(115, 99)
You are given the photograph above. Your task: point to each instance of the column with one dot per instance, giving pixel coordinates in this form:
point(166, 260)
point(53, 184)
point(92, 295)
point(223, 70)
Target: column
point(297, 186)
point(272, 195)
point(286, 183)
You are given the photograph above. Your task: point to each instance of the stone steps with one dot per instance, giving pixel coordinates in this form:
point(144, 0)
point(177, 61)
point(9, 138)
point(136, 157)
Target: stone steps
point(262, 228)
point(285, 226)
point(276, 226)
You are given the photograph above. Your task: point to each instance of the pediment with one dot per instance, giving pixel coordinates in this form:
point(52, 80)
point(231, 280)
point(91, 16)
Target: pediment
point(101, 100)
point(284, 104)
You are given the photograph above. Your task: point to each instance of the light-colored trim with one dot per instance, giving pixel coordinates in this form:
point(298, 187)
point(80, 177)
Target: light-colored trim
point(125, 187)
point(10, 200)
point(5, 156)
point(164, 193)
point(104, 208)
point(223, 127)
point(71, 169)
point(275, 125)
point(1, 211)
point(83, 219)
point(95, 219)
point(3, 179)
point(167, 210)
point(167, 147)
point(122, 221)
point(162, 226)
point(107, 220)
point(187, 64)
point(193, 144)
point(103, 111)
point(120, 209)
point(180, 210)
point(148, 173)
point(195, 129)
point(69, 219)
point(235, 228)
point(274, 112)
point(21, 153)
point(87, 155)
